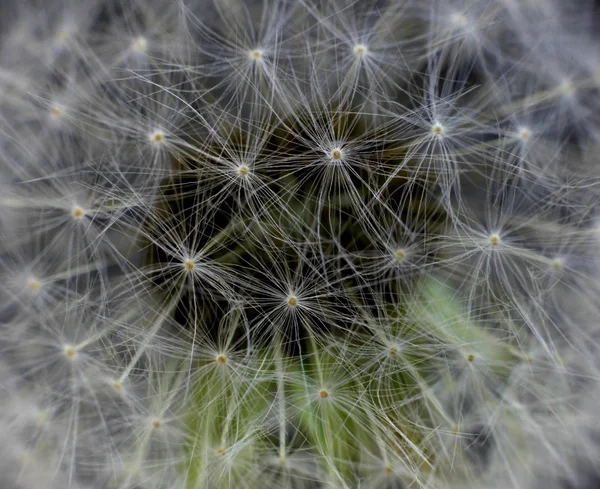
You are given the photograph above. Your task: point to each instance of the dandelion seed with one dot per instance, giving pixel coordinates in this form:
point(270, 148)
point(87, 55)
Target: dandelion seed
point(459, 20)
point(77, 213)
point(388, 247)
point(140, 44)
point(567, 87)
point(256, 54)
point(399, 254)
point(56, 111)
point(524, 134)
point(157, 137)
point(70, 352)
point(494, 240)
point(33, 285)
point(437, 129)
point(557, 264)
point(360, 50)
point(336, 154)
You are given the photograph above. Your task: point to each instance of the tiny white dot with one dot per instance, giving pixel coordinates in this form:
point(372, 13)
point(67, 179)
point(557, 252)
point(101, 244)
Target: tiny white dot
point(77, 213)
point(437, 129)
point(494, 239)
point(33, 285)
point(336, 154)
point(360, 50)
point(458, 20)
point(139, 44)
point(256, 54)
point(70, 352)
point(557, 264)
point(157, 137)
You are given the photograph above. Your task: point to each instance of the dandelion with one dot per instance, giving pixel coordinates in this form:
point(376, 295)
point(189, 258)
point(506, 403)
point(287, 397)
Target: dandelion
point(299, 244)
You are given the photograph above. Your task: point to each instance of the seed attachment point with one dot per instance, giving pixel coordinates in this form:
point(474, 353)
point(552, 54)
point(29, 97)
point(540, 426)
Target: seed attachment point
point(77, 213)
point(494, 240)
point(33, 285)
point(399, 254)
point(437, 129)
point(140, 44)
point(256, 54)
point(524, 134)
point(360, 50)
point(70, 352)
point(157, 137)
point(336, 154)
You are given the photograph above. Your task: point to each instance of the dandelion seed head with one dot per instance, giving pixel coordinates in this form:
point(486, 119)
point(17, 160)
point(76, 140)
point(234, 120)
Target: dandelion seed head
point(326, 238)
